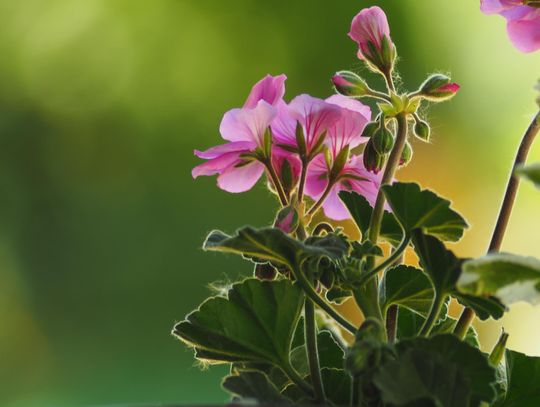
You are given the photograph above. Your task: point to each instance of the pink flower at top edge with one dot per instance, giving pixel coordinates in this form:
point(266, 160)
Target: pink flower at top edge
point(271, 89)
point(245, 129)
point(522, 22)
point(369, 26)
point(347, 131)
point(364, 183)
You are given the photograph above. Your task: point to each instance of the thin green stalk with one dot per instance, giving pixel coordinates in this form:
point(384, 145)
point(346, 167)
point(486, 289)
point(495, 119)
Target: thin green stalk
point(295, 377)
point(276, 182)
point(302, 182)
point(467, 316)
point(391, 322)
point(355, 393)
point(321, 200)
point(434, 313)
point(310, 333)
point(313, 296)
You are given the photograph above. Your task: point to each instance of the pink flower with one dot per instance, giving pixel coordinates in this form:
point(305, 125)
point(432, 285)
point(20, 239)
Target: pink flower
point(522, 21)
point(287, 166)
point(315, 117)
point(271, 89)
point(353, 177)
point(347, 131)
point(237, 168)
point(370, 30)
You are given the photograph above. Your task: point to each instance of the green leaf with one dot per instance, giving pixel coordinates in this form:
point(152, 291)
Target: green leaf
point(268, 244)
point(440, 368)
point(440, 264)
point(361, 211)
point(484, 307)
point(423, 209)
point(255, 323)
point(509, 277)
point(254, 385)
point(337, 385)
point(531, 172)
point(523, 375)
point(408, 287)
point(330, 354)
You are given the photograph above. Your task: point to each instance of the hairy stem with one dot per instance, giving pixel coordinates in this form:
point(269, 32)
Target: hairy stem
point(276, 182)
point(467, 316)
point(302, 182)
point(310, 333)
point(313, 296)
point(391, 322)
point(434, 313)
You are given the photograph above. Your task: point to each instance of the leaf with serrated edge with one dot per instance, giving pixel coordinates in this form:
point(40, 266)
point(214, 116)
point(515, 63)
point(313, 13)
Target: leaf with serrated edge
point(255, 386)
point(415, 208)
point(523, 375)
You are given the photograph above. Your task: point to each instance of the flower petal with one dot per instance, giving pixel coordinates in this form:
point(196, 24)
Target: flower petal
point(369, 25)
point(317, 177)
point(216, 165)
point(216, 151)
point(240, 179)
point(247, 124)
point(270, 89)
point(525, 34)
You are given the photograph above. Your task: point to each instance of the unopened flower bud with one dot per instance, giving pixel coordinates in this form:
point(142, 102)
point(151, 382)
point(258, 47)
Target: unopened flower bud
point(406, 154)
point(265, 271)
point(370, 129)
point(438, 88)
point(373, 161)
point(422, 130)
point(498, 351)
point(350, 84)
point(287, 219)
point(382, 140)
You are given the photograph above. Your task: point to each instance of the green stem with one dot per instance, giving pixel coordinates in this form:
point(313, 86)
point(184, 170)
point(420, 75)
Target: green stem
point(391, 322)
point(389, 81)
point(310, 333)
point(323, 197)
point(296, 378)
point(434, 313)
point(302, 182)
point(377, 95)
point(467, 316)
point(313, 296)
point(276, 182)
point(355, 393)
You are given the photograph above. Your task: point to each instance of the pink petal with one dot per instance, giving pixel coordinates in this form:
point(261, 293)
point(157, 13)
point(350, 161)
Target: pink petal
point(284, 125)
point(370, 24)
point(216, 151)
point(317, 178)
point(247, 124)
point(240, 179)
point(333, 207)
point(216, 165)
point(270, 89)
point(525, 34)
point(497, 6)
point(347, 131)
point(279, 156)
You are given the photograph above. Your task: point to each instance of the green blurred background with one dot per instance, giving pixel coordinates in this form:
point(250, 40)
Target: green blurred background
point(101, 105)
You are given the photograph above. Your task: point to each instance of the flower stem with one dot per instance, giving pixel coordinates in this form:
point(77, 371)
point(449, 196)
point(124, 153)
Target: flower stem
point(391, 322)
point(389, 81)
point(313, 296)
point(276, 182)
point(310, 333)
point(302, 182)
point(323, 197)
point(296, 378)
point(468, 315)
point(434, 313)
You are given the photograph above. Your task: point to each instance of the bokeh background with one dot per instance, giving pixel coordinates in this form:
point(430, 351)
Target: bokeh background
point(101, 105)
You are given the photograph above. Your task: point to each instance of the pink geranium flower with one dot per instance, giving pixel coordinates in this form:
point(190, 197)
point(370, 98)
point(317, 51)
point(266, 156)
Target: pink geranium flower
point(522, 22)
point(353, 177)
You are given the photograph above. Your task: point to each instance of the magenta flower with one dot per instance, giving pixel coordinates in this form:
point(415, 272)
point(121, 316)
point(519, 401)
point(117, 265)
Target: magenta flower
point(315, 117)
point(237, 168)
point(522, 21)
point(353, 177)
point(370, 30)
point(271, 89)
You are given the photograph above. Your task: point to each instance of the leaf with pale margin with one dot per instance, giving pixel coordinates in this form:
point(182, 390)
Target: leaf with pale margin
point(483, 306)
point(408, 287)
point(439, 263)
point(337, 385)
point(523, 375)
point(361, 211)
point(273, 245)
point(330, 354)
point(255, 323)
point(415, 208)
point(442, 368)
point(531, 172)
point(253, 385)
point(509, 277)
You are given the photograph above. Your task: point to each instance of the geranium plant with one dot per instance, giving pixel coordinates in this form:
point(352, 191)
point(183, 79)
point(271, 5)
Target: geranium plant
point(280, 332)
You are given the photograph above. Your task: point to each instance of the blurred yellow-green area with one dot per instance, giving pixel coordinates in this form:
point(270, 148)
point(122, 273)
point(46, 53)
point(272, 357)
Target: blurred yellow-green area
point(101, 105)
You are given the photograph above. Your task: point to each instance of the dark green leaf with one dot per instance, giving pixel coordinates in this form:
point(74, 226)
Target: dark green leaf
point(509, 277)
point(440, 264)
point(255, 323)
point(337, 295)
point(408, 287)
point(361, 211)
point(523, 375)
point(337, 385)
point(330, 354)
point(409, 324)
point(267, 244)
point(254, 385)
point(423, 209)
point(484, 307)
point(531, 172)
